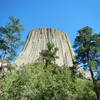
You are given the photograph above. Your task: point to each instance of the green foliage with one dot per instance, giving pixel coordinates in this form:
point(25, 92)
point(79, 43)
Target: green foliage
point(10, 36)
point(87, 47)
point(85, 90)
point(87, 50)
point(33, 82)
point(73, 70)
point(49, 55)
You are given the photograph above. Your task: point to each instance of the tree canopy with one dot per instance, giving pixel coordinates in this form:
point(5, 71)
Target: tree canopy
point(10, 38)
point(87, 46)
point(49, 55)
point(33, 82)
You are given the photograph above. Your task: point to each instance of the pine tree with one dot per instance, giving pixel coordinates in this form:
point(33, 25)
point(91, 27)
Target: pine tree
point(49, 55)
point(87, 51)
point(10, 38)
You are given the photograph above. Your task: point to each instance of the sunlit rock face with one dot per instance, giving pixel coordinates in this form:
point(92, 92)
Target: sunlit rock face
point(37, 40)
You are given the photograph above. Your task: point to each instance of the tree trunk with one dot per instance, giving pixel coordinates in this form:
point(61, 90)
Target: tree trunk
point(46, 64)
point(94, 83)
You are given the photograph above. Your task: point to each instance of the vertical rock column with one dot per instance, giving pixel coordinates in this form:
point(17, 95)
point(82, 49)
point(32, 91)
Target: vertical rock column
point(37, 40)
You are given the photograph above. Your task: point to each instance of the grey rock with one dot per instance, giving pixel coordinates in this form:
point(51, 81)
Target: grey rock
point(37, 40)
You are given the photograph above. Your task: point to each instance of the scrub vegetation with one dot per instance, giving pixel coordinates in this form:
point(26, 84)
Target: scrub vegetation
point(33, 82)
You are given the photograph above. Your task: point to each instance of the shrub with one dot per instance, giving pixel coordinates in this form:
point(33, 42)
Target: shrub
point(33, 82)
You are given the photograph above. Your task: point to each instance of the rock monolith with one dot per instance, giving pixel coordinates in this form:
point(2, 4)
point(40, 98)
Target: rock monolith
point(37, 40)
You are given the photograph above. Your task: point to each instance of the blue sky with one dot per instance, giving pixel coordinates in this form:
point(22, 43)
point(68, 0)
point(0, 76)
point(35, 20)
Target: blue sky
point(65, 15)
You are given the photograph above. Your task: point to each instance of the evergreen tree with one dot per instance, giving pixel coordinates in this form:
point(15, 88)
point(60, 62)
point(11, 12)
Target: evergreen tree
point(87, 50)
point(49, 55)
point(73, 70)
point(10, 38)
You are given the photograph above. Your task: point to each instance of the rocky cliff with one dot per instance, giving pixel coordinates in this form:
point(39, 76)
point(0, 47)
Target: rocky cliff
point(37, 40)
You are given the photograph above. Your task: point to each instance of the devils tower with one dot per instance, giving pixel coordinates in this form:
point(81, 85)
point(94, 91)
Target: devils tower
point(37, 40)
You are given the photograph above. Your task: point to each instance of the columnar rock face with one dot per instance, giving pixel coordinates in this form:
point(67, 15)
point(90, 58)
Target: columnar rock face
point(37, 40)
